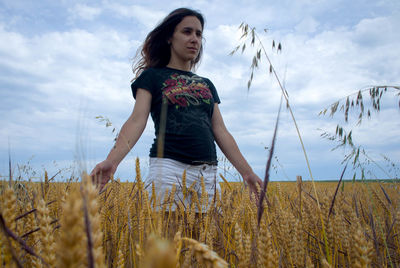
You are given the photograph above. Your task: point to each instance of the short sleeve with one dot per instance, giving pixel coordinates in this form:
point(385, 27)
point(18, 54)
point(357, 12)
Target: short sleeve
point(213, 91)
point(145, 81)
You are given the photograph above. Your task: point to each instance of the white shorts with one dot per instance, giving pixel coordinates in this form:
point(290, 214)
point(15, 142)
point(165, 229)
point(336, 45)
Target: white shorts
point(165, 173)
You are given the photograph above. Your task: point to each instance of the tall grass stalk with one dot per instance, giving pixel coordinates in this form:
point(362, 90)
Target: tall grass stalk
point(246, 31)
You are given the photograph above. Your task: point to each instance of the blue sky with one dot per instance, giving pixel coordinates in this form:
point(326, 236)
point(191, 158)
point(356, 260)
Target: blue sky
point(62, 63)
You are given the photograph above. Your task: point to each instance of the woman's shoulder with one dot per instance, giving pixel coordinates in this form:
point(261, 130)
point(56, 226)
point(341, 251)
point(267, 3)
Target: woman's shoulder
point(147, 71)
point(155, 71)
point(145, 74)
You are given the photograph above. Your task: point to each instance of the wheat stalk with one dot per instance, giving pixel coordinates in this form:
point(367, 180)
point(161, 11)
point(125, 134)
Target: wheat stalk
point(71, 246)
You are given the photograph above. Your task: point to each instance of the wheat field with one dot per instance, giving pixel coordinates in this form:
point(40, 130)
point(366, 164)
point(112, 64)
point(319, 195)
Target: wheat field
point(60, 224)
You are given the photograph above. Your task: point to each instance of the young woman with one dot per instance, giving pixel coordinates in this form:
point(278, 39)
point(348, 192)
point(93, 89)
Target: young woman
point(184, 109)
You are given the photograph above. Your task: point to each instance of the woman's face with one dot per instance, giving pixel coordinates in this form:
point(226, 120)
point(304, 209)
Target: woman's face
point(185, 42)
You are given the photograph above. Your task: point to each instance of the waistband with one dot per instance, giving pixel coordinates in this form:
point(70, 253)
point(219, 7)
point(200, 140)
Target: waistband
point(155, 160)
point(198, 163)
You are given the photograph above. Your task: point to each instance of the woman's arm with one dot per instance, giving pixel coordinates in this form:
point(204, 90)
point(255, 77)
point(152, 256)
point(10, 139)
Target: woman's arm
point(127, 138)
point(228, 146)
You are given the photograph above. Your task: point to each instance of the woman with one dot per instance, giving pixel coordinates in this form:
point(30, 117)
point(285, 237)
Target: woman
point(184, 109)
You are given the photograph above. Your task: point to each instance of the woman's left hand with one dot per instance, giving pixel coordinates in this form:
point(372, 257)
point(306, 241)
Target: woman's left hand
point(252, 180)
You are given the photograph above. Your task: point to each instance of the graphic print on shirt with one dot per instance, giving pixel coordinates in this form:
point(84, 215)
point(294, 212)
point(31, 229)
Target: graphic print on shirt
point(183, 90)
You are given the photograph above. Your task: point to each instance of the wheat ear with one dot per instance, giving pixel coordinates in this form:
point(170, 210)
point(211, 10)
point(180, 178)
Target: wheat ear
point(205, 255)
point(47, 243)
point(92, 205)
point(71, 246)
point(268, 257)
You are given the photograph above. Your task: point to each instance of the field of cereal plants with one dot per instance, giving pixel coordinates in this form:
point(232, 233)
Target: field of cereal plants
point(54, 224)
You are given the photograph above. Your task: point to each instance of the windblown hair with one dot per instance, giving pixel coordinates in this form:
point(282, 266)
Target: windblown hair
point(155, 51)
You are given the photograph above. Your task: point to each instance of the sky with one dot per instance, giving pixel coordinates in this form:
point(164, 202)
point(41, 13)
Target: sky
point(64, 63)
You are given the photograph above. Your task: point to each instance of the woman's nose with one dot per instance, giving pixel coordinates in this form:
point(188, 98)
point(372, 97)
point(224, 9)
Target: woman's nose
point(194, 38)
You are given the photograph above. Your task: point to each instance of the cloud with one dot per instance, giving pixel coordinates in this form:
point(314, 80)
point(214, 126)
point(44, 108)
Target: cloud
point(319, 67)
point(332, 61)
point(53, 76)
point(85, 12)
point(307, 25)
point(147, 16)
point(377, 31)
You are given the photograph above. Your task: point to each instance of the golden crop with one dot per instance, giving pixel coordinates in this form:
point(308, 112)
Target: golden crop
point(71, 225)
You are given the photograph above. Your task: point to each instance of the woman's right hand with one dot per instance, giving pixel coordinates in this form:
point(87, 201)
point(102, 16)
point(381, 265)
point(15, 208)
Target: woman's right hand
point(102, 173)
point(127, 138)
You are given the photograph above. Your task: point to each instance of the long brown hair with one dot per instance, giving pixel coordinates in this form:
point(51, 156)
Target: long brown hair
point(155, 51)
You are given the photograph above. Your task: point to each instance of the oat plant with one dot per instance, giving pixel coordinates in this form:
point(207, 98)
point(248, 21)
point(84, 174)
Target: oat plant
point(251, 38)
point(355, 107)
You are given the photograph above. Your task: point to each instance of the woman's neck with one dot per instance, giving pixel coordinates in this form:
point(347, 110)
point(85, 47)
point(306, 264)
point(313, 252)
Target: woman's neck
point(180, 66)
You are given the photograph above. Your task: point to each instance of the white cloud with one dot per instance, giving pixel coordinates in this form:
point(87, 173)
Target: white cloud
point(318, 70)
point(85, 12)
point(148, 16)
point(331, 64)
point(67, 70)
point(307, 25)
point(376, 32)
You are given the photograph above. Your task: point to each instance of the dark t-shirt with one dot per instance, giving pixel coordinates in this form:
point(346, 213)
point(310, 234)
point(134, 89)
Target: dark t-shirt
point(188, 107)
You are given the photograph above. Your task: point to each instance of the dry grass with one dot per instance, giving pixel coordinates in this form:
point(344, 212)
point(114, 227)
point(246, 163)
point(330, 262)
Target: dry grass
point(71, 225)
